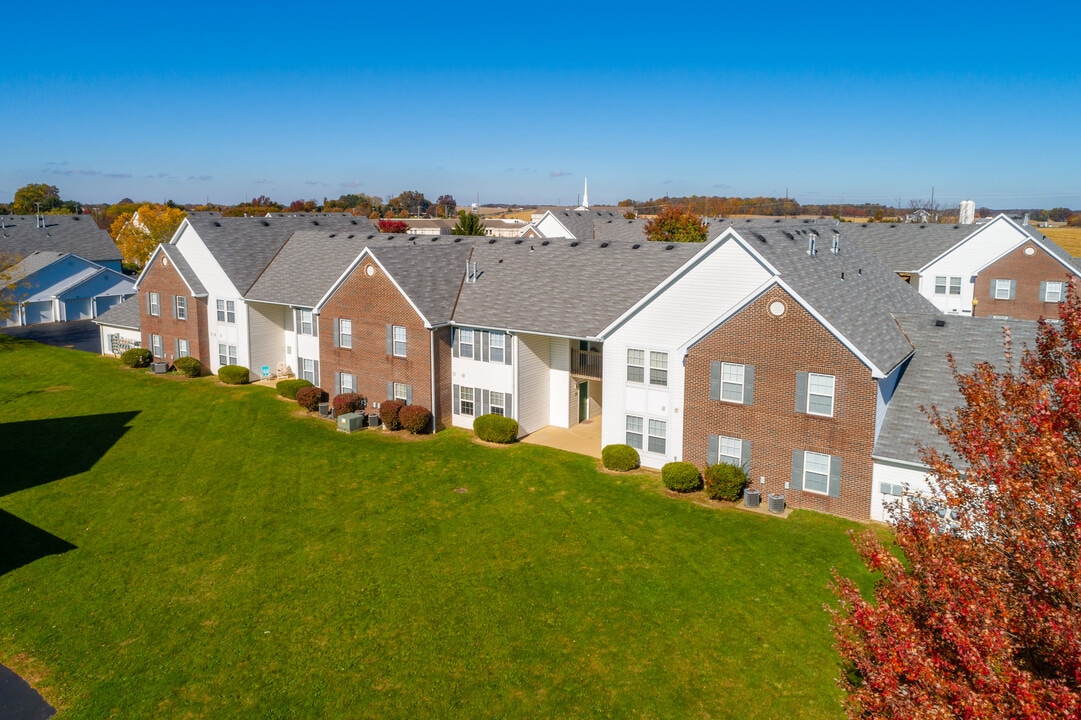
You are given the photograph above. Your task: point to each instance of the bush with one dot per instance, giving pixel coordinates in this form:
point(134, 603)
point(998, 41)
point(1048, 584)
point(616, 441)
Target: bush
point(620, 458)
point(234, 375)
point(288, 388)
point(388, 413)
point(347, 403)
point(496, 428)
point(681, 477)
point(188, 366)
point(724, 481)
point(310, 397)
point(415, 418)
point(137, 358)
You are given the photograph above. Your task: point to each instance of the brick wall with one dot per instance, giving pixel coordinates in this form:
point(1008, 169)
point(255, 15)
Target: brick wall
point(779, 348)
point(166, 281)
point(372, 302)
point(1028, 270)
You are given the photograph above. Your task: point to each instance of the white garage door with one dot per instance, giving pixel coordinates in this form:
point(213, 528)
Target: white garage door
point(77, 309)
point(39, 312)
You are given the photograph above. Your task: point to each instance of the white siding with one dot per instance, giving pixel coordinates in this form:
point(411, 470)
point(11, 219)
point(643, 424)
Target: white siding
point(559, 382)
point(895, 474)
point(105, 331)
point(534, 394)
point(482, 375)
point(205, 267)
point(267, 332)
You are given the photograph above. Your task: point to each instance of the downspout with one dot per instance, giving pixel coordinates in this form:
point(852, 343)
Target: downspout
point(431, 369)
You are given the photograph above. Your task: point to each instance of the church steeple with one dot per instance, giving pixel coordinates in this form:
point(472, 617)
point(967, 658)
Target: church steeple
point(585, 195)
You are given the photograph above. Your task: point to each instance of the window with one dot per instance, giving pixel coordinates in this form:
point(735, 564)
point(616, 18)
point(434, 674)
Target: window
point(940, 284)
point(658, 369)
point(816, 472)
point(226, 354)
point(345, 334)
point(656, 436)
point(347, 383)
point(226, 311)
point(182, 348)
point(155, 345)
point(636, 365)
point(955, 286)
point(465, 343)
point(465, 395)
point(401, 392)
point(307, 323)
point(951, 285)
point(1052, 292)
point(181, 307)
point(820, 394)
point(496, 403)
point(634, 431)
point(732, 382)
point(1002, 289)
point(307, 370)
point(153, 304)
point(730, 450)
point(399, 341)
point(496, 345)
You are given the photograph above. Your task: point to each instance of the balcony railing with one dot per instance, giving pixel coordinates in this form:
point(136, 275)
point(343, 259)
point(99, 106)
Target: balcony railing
point(587, 363)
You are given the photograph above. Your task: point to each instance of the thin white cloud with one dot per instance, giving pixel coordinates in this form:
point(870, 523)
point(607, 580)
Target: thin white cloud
point(559, 173)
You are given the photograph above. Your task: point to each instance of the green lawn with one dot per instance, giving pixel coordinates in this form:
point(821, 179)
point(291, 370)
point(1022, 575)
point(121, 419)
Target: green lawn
point(225, 558)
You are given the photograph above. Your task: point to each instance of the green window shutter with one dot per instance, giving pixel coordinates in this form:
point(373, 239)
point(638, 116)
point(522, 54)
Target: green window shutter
point(318, 380)
point(748, 384)
point(484, 345)
point(390, 390)
point(994, 284)
point(456, 391)
point(801, 399)
point(745, 455)
point(1043, 292)
point(715, 381)
point(174, 307)
point(797, 469)
point(508, 406)
point(408, 394)
point(484, 401)
point(390, 339)
point(714, 449)
point(337, 383)
point(1013, 289)
point(337, 327)
point(454, 342)
point(508, 343)
point(176, 348)
point(835, 476)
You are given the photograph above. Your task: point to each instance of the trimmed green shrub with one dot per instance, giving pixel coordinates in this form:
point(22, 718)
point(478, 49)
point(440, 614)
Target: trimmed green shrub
point(724, 481)
point(496, 428)
point(388, 413)
point(288, 388)
point(234, 375)
point(137, 358)
point(681, 477)
point(347, 403)
point(188, 366)
point(310, 397)
point(620, 457)
point(415, 418)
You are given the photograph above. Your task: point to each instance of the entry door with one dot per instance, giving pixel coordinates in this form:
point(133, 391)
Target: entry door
point(583, 401)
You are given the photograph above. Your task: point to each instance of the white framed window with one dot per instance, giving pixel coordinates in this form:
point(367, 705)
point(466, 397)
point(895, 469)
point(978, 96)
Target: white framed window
point(816, 472)
point(465, 343)
point(634, 431)
point(307, 370)
point(307, 322)
point(226, 311)
point(401, 392)
point(345, 382)
point(183, 349)
point(465, 400)
point(497, 403)
point(940, 284)
point(657, 435)
point(950, 285)
point(497, 343)
point(1002, 289)
point(636, 365)
point(955, 286)
point(345, 334)
point(155, 345)
point(658, 369)
point(820, 394)
point(399, 341)
point(181, 304)
point(732, 382)
point(153, 304)
point(226, 354)
point(730, 450)
point(1052, 292)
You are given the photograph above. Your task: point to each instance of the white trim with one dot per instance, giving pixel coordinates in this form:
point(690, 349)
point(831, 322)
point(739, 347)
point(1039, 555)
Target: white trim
point(367, 253)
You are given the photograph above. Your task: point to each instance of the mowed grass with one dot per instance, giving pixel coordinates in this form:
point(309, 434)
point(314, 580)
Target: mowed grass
point(1068, 238)
point(226, 558)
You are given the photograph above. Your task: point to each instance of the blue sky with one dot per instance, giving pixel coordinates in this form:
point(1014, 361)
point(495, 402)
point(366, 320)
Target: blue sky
point(854, 102)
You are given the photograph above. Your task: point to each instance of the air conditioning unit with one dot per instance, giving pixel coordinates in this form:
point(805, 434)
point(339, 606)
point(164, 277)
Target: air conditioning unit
point(350, 422)
point(159, 367)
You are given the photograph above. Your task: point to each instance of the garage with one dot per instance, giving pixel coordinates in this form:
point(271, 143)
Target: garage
point(39, 312)
point(77, 309)
point(105, 302)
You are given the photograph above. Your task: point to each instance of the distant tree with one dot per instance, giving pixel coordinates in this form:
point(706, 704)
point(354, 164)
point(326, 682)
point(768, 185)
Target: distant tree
point(676, 224)
point(468, 224)
point(445, 205)
point(412, 202)
point(630, 215)
point(982, 616)
point(8, 302)
point(626, 203)
point(35, 197)
point(1059, 214)
point(392, 226)
point(138, 235)
point(1075, 220)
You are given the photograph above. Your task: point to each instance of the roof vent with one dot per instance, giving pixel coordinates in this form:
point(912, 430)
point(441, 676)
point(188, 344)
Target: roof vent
point(545, 243)
point(332, 235)
point(492, 241)
point(760, 236)
point(790, 235)
point(806, 221)
point(669, 247)
point(604, 244)
point(435, 238)
point(75, 218)
point(518, 241)
point(777, 220)
point(939, 322)
point(835, 245)
point(863, 225)
point(574, 244)
point(315, 222)
point(923, 227)
point(635, 246)
point(956, 227)
point(352, 222)
point(842, 275)
point(457, 239)
point(390, 237)
point(747, 220)
point(217, 224)
point(350, 236)
point(812, 239)
point(893, 225)
point(371, 236)
point(266, 224)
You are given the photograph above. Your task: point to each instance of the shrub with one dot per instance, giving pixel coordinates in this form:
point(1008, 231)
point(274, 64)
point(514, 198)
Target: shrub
point(388, 413)
point(234, 375)
point(620, 457)
point(137, 358)
point(415, 418)
point(725, 481)
point(288, 388)
point(347, 403)
point(496, 428)
point(188, 366)
point(310, 397)
point(681, 477)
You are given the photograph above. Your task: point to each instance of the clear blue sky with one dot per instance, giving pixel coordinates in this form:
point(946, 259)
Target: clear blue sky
point(855, 102)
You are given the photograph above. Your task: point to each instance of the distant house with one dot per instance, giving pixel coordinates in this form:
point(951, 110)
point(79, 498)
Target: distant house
point(119, 328)
point(55, 287)
point(79, 235)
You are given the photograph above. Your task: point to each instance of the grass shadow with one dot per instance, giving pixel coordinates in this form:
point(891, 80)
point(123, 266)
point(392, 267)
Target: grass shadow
point(24, 543)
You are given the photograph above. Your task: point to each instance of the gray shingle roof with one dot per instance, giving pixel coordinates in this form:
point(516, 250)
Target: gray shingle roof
point(928, 381)
point(77, 234)
point(30, 264)
point(907, 247)
point(564, 287)
point(430, 276)
point(125, 315)
point(245, 246)
point(182, 267)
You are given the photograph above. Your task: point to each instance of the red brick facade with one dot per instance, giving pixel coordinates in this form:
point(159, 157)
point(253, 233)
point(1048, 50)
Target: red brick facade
point(779, 348)
point(1027, 271)
point(163, 279)
point(369, 299)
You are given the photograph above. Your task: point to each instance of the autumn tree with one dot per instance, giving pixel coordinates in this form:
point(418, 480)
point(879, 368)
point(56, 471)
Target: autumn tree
point(35, 197)
point(392, 226)
point(468, 224)
point(676, 224)
point(982, 618)
point(8, 301)
point(412, 202)
point(445, 205)
point(139, 234)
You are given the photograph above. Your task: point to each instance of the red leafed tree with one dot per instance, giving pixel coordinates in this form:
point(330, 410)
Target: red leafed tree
point(392, 226)
point(983, 619)
point(676, 224)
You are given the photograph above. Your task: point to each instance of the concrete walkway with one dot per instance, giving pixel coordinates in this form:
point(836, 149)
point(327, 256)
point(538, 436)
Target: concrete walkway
point(584, 438)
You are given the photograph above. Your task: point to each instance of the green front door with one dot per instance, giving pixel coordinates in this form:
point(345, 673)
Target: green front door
point(583, 401)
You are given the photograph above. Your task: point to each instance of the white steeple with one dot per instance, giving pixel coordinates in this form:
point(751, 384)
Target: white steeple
point(585, 195)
